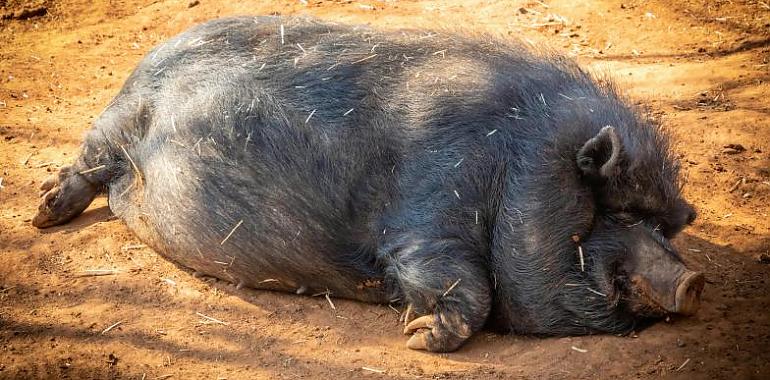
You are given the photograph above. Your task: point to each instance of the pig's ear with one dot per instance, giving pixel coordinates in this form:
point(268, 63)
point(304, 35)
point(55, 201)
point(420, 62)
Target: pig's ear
point(599, 158)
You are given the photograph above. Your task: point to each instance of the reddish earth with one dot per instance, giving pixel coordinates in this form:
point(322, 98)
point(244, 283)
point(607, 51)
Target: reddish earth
point(700, 66)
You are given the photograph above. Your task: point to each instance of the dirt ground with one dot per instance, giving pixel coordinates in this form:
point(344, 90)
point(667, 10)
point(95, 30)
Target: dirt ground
point(700, 66)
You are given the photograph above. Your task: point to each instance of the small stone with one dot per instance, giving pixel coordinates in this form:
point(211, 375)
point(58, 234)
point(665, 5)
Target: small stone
point(764, 258)
point(680, 343)
point(193, 3)
point(733, 149)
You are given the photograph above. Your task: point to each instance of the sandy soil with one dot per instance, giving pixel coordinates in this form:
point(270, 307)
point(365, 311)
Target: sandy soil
point(700, 66)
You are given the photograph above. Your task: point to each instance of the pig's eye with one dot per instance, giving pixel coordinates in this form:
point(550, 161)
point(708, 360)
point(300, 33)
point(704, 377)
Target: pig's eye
point(665, 226)
point(627, 219)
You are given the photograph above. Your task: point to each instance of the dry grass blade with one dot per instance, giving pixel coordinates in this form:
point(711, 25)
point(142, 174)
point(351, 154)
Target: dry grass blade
point(596, 292)
point(581, 350)
point(25, 160)
point(116, 324)
point(373, 370)
point(309, 116)
point(683, 364)
point(741, 182)
point(133, 164)
point(582, 260)
point(364, 59)
point(211, 319)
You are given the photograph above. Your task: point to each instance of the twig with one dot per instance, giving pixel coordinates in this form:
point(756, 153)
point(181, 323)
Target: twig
point(579, 349)
point(111, 327)
point(451, 287)
point(329, 299)
point(96, 168)
point(97, 272)
point(231, 232)
point(373, 370)
point(683, 364)
point(211, 319)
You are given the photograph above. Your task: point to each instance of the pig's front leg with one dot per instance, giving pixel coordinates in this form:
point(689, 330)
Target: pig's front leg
point(445, 283)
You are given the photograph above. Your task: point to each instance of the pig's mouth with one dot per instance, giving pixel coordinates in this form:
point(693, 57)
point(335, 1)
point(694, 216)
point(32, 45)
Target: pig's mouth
point(650, 298)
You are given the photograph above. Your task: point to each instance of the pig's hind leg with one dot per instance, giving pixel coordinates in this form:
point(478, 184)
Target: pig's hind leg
point(67, 194)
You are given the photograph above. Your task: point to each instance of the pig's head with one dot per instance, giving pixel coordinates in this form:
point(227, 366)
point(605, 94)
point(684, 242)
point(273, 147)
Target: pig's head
point(597, 237)
point(638, 209)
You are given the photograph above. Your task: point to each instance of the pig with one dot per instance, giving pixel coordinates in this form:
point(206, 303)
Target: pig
point(472, 180)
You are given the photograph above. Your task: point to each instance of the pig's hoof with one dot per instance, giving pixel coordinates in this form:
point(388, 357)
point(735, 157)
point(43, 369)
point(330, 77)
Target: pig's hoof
point(46, 213)
point(54, 180)
point(64, 197)
point(437, 333)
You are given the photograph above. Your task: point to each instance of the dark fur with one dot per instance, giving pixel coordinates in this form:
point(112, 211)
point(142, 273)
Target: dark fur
point(458, 162)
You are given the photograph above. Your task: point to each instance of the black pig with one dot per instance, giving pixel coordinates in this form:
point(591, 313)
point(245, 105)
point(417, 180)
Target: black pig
point(472, 180)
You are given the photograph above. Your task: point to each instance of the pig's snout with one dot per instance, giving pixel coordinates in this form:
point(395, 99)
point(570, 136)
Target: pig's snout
point(688, 293)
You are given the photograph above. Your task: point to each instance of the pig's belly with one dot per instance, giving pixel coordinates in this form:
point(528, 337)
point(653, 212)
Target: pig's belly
point(217, 221)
